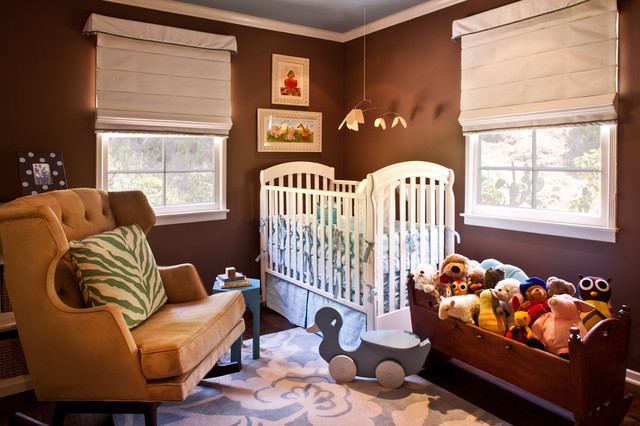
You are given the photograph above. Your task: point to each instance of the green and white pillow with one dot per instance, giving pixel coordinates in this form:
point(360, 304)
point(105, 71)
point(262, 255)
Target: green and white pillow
point(118, 267)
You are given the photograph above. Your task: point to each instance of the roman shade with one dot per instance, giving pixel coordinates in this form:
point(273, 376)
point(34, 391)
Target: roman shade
point(152, 78)
point(539, 63)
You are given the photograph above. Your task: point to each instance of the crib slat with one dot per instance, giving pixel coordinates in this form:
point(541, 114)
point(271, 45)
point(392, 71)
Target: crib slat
point(401, 289)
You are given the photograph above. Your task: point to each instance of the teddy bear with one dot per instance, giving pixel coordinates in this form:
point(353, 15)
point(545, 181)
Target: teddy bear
point(535, 302)
point(442, 290)
point(506, 290)
point(492, 276)
point(557, 286)
point(454, 267)
point(465, 308)
point(476, 278)
point(520, 331)
point(426, 276)
point(553, 328)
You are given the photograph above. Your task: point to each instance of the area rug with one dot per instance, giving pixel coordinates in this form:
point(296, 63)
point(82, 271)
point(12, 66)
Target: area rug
point(290, 385)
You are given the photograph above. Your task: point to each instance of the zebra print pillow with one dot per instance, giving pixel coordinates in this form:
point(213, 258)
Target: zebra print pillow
point(118, 267)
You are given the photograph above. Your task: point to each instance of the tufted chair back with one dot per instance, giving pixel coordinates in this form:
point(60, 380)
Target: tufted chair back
point(83, 212)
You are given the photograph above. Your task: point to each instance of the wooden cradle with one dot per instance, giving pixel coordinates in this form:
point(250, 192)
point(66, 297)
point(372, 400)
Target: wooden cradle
point(590, 385)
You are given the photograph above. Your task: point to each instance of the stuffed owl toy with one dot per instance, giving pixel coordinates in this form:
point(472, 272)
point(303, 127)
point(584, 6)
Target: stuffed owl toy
point(596, 291)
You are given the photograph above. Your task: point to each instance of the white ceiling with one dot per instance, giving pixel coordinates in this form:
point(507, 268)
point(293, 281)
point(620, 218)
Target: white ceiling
point(332, 15)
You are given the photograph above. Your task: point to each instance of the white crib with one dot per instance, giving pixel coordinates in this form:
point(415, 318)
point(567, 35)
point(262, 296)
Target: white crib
point(351, 244)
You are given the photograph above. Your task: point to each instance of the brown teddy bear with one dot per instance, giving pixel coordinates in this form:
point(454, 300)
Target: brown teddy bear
point(454, 267)
point(557, 286)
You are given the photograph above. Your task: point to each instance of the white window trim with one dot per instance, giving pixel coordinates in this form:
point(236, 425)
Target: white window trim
point(164, 215)
point(606, 233)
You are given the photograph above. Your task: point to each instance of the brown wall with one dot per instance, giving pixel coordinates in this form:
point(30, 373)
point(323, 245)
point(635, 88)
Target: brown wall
point(412, 68)
point(49, 99)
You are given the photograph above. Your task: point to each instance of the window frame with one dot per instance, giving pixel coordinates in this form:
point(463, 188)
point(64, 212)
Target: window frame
point(546, 222)
point(168, 215)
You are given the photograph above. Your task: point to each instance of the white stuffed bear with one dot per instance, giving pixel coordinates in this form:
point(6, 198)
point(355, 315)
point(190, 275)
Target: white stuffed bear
point(465, 308)
point(426, 276)
point(505, 290)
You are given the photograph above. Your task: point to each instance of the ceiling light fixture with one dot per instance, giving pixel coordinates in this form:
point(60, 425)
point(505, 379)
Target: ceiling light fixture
point(356, 115)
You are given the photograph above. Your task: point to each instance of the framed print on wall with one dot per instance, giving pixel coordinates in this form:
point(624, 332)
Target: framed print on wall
point(41, 172)
point(289, 131)
point(289, 80)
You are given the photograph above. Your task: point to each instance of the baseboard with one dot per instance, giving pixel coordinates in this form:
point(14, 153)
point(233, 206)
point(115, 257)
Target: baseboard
point(633, 377)
point(15, 385)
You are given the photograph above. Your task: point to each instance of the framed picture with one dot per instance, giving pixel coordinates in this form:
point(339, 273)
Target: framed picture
point(41, 172)
point(289, 131)
point(289, 80)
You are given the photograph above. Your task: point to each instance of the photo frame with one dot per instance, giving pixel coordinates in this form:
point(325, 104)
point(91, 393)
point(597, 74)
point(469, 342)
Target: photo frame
point(289, 131)
point(41, 172)
point(289, 80)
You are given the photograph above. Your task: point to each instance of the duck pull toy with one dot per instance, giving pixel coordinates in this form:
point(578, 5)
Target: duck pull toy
point(387, 355)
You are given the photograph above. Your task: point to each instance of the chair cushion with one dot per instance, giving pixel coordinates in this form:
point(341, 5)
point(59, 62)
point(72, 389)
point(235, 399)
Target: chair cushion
point(179, 336)
point(118, 267)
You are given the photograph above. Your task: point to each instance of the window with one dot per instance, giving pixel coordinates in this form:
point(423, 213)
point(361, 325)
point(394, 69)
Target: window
point(538, 107)
point(182, 175)
point(557, 181)
point(163, 115)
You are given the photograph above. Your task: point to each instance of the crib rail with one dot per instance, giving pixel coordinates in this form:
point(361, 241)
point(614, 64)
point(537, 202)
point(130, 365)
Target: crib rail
point(415, 200)
point(315, 239)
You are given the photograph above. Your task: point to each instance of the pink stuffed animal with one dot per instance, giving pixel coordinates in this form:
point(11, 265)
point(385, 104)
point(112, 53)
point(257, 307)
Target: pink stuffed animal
point(553, 327)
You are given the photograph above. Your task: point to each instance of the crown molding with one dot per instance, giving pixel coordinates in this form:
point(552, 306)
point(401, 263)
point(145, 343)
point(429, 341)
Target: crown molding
point(426, 8)
point(204, 12)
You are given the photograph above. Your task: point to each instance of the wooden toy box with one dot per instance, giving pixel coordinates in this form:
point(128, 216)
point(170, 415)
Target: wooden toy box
point(591, 384)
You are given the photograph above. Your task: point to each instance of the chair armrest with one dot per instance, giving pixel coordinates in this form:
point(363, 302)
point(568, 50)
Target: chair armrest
point(182, 283)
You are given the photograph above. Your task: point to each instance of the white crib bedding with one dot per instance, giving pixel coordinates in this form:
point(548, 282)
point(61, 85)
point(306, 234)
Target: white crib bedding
point(297, 243)
point(299, 306)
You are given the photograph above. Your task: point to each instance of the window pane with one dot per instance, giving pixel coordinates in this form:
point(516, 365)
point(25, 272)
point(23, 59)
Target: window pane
point(149, 183)
point(506, 149)
point(505, 188)
point(190, 188)
point(130, 152)
point(189, 153)
point(570, 192)
point(568, 147)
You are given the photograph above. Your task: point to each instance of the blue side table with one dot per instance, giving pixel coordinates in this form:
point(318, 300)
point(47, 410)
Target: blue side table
point(252, 301)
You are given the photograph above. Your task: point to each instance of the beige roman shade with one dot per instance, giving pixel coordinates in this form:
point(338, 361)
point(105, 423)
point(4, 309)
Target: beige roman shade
point(539, 63)
point(152, 78)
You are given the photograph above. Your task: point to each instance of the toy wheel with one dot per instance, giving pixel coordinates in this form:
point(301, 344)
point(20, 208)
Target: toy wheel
point(342, 368)
point(390, 374)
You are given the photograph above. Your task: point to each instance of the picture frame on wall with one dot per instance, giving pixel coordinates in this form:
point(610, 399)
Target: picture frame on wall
point(289, 80)
point(41, 172)
point(289, 131)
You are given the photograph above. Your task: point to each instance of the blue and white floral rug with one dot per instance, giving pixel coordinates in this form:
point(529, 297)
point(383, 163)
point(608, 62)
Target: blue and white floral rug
point(290, 385)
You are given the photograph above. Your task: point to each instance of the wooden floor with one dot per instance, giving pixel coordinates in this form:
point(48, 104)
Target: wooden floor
point(499, 398)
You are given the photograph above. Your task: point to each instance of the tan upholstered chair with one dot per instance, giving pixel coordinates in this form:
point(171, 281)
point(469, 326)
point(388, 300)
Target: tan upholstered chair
point(88, 354)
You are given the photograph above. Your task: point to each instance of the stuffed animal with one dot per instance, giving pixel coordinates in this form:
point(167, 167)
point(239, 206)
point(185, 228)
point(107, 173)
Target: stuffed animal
point(557, 286)
point(492, 276)
point(520, 331)
point(459, 288)
point(442, 290)
point(506, 290)
point(553, 328)
point(596, 291)
point(454, 267)
point(488, 318)
point(475, 279)
point(465, 308)
point(426, 277)
point(535, 302)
